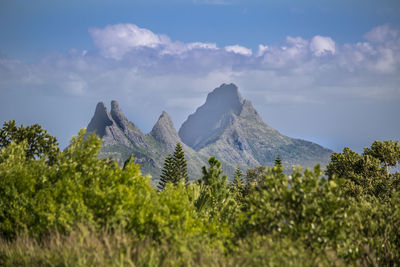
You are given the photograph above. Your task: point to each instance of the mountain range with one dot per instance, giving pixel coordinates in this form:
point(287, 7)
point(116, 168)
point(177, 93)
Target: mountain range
point(225, 126)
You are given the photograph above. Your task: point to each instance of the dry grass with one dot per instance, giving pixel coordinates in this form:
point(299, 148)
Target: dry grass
point(84, 247)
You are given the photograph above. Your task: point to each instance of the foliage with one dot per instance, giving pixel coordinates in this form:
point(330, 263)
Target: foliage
point(175, 168)
point(167, 173)
point(363, 174)
point(278, 161)
point(38, 142)
point(82, 210)
point(214, 189)
point(180, 164)
point(388, 152)
point(237, 186)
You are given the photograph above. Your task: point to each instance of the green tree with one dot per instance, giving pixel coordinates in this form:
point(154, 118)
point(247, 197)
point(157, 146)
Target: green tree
point(388, 152)
point(237, 186)
point(175, 168)
point(278, 161)
point(38, 142)
point(180, 164)
point(364, 174)
point(168, 173)
point(213, 185)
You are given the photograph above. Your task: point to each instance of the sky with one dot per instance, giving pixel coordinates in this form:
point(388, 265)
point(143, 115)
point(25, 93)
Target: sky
point(323, 71)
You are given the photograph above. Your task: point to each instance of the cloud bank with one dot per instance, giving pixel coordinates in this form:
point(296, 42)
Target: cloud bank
point(317, 78)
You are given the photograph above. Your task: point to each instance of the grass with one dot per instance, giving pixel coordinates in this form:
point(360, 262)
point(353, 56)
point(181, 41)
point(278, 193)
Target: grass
point(84, 247)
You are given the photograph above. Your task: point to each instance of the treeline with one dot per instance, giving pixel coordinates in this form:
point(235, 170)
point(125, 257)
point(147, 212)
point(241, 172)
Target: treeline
point(71, 208)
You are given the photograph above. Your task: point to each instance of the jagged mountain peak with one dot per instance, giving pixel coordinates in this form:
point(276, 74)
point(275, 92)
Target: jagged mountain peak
point(165, 132)
point(227, 95)
point(248, 111)
point(164, 121)
point(209, 120)
point(100, 120)
point(120, 119)
point(225, 126)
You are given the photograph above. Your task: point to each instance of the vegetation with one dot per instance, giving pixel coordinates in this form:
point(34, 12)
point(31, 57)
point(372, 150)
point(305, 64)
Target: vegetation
point(175, 168)
point(79, 210)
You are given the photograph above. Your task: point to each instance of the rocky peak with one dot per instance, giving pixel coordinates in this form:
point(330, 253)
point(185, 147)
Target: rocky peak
point(226, 97)
point(210, 119)
point(101, 119)
point(165, 132)
point(248, 111)
point(119, 117)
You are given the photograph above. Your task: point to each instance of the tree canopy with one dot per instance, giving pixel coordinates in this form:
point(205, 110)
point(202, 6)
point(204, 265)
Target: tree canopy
point(350, 218)
point(37, 141)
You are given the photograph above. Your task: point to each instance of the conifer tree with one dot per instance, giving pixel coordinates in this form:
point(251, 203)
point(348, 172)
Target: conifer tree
point(214, 178)
point(175, 168)
point(237, 186)
point(168, 172)
point(278, 161)
point(180, 164)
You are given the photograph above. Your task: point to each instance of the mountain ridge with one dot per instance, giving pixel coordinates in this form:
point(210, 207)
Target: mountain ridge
point(226, 126)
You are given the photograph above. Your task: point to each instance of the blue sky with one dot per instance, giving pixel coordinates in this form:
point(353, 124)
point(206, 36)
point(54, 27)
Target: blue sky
point(325, 71)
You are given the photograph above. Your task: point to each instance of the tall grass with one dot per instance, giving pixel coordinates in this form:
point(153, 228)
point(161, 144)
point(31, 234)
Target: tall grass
point(85, 247)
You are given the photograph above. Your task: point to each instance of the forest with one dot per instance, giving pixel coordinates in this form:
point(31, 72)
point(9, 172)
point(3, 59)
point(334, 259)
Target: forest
point(70, 208)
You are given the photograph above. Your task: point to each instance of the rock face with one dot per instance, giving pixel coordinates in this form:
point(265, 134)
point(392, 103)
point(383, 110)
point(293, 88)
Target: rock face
point(205, 124)
point(226, 126)
point(165, 133)
point(121, 138)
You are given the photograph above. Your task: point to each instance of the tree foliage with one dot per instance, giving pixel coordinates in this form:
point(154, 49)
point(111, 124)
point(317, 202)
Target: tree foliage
point(237, 186)
point(38, 142)
point(388, 152)
point(278, 161)
point(175, 168)
point(167, 173)
point(351, 218)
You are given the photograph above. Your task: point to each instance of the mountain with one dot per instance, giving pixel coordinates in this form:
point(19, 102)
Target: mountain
point(228, 127)
point(121, 138)
point(225, 126)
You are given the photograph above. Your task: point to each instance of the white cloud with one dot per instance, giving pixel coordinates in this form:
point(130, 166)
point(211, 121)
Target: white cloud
point(199, 45)
point(262, 49)
point(148, 72)
point(115, 40)
point(321, 45)
point(238, 49)
point(381, 34)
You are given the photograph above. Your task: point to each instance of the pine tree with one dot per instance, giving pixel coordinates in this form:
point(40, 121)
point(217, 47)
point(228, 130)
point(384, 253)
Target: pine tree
point(278, 161)
point(168, 172)
point(175, 168)
point(278, 167)
point(215, 179)
point(180, 164)
point(237, 186)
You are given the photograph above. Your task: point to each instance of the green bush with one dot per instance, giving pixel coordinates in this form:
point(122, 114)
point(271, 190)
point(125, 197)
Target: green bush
point(81, 210)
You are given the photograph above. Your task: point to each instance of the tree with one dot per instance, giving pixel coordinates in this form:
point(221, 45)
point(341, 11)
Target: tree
point(278, 161)
point(214, 189)
point(388, 152)
point(180, 164)
point(364, 174)
point(175, 168)
point(168, 173)
point(237, 186)
point(39, 143)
